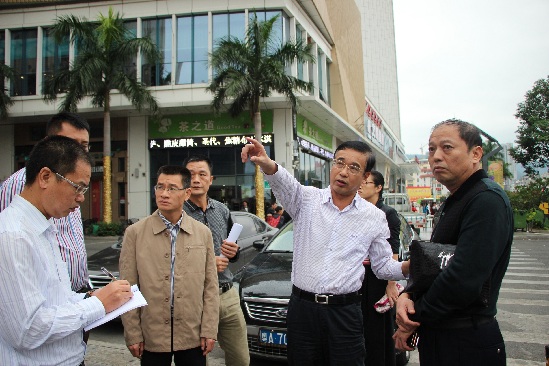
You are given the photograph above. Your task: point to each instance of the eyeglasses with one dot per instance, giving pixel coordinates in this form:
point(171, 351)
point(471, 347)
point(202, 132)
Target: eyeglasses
point(160, 188)
point(340, 165)
point(79, 189)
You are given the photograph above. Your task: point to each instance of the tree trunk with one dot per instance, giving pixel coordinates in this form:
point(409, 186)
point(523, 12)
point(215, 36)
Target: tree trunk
point(107, 189)
point(258, 179)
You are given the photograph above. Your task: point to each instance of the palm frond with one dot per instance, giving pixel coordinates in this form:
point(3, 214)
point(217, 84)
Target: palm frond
point(6, 72)
point(245, 71)
point(136, 92)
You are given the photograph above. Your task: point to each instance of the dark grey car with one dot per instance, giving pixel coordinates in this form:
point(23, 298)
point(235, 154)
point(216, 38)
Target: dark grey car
point(253, 229)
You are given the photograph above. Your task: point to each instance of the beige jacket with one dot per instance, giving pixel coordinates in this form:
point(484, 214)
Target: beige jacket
point(146, 260)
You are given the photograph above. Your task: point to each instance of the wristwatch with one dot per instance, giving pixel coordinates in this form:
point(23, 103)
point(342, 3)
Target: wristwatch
point(88, 294)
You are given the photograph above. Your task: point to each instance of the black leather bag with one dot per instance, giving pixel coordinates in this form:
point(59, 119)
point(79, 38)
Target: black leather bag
point(427, 260)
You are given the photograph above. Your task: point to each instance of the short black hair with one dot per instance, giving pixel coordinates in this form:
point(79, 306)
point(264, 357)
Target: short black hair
point(176, 170)
point(468, 132)
point(57, 153)
point(361, 147)
point(197, 158)
point(378, 179)
point(54, 124)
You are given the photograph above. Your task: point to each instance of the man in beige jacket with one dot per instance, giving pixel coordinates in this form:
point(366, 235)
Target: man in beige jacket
point(171, 257)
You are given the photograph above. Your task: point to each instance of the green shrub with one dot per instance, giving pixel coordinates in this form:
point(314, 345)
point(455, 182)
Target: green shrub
point(104, 229)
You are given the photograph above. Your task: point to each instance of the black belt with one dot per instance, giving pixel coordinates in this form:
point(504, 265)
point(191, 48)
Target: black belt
point(465, 322)
point(328, 299)
point(224, 287)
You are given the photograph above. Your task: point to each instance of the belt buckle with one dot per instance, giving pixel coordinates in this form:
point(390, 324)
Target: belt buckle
point(322, 299)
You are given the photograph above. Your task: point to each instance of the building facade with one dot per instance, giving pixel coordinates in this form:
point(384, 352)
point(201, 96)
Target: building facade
point(186, 31)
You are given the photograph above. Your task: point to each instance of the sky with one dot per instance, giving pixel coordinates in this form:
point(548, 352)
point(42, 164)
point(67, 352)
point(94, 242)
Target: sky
point(472, 60)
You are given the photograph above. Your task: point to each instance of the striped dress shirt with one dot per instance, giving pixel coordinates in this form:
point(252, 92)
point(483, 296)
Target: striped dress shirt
point(217, 218)
point(41, 319)
point(330, 244)
point(70, 234)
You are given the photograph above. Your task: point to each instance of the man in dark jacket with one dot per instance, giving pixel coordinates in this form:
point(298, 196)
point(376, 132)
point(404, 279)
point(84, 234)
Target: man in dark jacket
point(455, 326)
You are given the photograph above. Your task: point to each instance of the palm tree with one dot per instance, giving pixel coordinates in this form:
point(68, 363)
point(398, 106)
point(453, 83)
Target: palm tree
point(6, 72)
point(250, 69)
point(488, 146)
point(105, 48)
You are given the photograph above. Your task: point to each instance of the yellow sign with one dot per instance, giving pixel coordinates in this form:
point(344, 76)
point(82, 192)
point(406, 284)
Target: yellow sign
point(495, 171)
point(544, 206)
point(416, 193)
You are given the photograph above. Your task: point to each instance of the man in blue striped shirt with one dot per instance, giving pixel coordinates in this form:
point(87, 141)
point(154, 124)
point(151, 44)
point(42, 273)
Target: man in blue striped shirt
point(70, 234)
point(41, 319)
point(334, 230)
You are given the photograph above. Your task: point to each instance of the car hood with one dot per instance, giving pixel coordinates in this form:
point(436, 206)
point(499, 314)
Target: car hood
point(267, 275)
point(107, 258)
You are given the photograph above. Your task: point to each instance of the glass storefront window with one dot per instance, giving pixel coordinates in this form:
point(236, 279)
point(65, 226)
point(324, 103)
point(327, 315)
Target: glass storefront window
point(160, 32)
point(234, 181)
point(55, 57)
point(299, 38)
point(2, 54)
point(23, 60)
point(321, 83)
point(277, 33)
point(192, 50)
point(131, 66)
point(228, 24)
point(225, 163)
point(313, 171)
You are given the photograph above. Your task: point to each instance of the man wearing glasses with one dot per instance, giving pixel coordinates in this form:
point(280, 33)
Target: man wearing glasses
point(70, 234)
point(171, 257)
point(334, 230)
point(41, 319)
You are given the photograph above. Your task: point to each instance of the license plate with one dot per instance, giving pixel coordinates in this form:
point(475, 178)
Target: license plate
point(273, 337)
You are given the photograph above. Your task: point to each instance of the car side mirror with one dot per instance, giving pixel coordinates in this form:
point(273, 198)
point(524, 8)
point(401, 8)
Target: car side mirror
point(259, 244)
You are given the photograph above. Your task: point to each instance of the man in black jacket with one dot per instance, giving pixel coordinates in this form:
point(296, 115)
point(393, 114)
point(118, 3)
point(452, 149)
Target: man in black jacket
point(455, 326)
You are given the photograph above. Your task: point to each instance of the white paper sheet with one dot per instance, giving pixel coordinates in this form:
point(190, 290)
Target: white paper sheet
point(135, 302)
point(233, 235)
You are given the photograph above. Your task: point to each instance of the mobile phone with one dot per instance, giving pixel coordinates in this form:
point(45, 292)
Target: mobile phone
point(412, 340)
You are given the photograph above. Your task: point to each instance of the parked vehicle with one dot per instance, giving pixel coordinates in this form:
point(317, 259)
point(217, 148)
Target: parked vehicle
point(398, 201)
point(265, 287)
point(253, 228)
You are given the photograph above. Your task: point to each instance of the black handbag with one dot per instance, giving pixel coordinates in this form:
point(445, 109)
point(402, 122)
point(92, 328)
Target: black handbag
point(427, 260)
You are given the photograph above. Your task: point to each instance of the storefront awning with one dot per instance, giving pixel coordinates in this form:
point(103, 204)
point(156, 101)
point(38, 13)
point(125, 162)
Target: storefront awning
point(409, 168)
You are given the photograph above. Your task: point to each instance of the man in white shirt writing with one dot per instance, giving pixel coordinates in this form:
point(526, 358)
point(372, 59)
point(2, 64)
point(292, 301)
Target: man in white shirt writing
point(41, 318)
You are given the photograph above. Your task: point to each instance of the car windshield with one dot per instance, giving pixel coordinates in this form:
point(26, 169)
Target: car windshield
point(283, 241)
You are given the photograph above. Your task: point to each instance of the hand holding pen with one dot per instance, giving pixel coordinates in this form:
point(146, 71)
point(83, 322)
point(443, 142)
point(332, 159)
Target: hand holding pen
point(106, 271)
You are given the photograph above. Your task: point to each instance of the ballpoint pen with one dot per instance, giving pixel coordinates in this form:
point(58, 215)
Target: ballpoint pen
point(105, 271)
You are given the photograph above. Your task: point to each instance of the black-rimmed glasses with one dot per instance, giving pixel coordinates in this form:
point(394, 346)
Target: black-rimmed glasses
point(79, 189)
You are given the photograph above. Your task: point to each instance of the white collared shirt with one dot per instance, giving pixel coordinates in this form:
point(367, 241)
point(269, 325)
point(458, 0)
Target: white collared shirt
point(70, 233)
point(41, 318)
point(330, 245)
